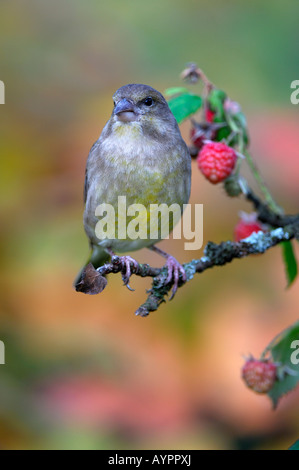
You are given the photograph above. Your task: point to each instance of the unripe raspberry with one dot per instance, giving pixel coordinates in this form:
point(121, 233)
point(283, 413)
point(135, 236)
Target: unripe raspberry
point(247, 225)
point(232, 186)
point(258, 375)
point(216, 161)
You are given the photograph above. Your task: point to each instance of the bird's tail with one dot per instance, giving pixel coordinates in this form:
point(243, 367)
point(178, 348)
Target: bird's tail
point(97, 258)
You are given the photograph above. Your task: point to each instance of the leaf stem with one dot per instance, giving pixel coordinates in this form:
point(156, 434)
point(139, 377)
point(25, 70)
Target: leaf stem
point(262, 185)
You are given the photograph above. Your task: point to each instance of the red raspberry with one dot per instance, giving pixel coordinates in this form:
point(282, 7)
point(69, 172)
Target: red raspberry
point(216, 161)
point(209, 115)
point(260, 376)
point(247, 226)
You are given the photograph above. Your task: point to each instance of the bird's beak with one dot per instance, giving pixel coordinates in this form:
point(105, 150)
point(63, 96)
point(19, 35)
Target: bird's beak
point(124, 110)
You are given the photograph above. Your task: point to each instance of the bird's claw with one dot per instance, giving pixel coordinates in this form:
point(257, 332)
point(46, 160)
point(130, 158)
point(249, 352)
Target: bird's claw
point(174, 271)
point(126, 262)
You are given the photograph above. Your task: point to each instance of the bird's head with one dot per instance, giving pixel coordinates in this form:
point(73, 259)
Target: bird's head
point(140, 103)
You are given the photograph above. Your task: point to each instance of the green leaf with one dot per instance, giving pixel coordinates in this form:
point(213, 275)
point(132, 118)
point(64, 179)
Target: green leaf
point(223, 133)
point(295, 446)
point(216, 100)
point(282, 387)
point(183, 106)
point(241, 122)
point(290, 262)
point(285, 351)
point(175, 91)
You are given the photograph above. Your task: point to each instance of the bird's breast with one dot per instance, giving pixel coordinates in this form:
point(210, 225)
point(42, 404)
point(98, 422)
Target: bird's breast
point(144, 170)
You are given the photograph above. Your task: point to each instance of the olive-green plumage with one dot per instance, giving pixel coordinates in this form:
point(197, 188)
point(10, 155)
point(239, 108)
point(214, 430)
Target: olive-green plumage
point(141, 155)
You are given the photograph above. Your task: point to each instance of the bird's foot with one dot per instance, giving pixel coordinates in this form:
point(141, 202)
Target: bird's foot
point(126, 263)
point(174, 271)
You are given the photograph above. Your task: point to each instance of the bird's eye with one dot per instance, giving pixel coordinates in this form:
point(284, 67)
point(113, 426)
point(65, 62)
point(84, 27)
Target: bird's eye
point(148, 101)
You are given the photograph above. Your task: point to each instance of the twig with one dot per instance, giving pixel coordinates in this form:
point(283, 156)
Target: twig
point(267, 215)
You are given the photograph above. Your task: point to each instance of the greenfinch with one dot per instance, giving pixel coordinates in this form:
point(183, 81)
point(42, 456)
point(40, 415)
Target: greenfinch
point(141, 156)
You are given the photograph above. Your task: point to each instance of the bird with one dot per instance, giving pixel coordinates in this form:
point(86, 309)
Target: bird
point(141, 155)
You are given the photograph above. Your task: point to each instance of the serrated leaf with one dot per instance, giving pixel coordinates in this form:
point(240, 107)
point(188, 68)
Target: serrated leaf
point(290, 262)
point(185, 105)
point(282, 388)
point(175, 91)
point(295, 446)
point(284, 350)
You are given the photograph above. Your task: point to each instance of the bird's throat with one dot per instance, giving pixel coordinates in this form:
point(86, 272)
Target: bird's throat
point(128, 129)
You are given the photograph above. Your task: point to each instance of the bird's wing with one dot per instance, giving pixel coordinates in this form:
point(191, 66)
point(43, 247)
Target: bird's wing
point(86, 182)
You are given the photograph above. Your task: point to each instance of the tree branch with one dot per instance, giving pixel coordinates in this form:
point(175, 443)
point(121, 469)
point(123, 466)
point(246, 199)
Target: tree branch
point(217, 255)
point(285, 227)
point(214, 255)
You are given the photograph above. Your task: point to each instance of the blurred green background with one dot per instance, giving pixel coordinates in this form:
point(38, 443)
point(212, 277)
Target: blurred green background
point(82, 372)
